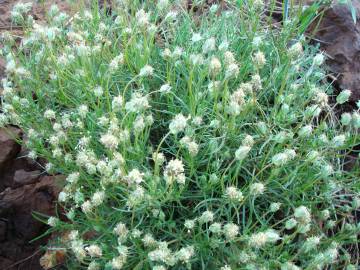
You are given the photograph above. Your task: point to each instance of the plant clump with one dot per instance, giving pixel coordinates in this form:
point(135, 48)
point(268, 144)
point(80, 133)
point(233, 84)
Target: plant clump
point(204, 142)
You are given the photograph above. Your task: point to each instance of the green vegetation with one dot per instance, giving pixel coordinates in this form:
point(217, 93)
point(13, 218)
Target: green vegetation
point(190, 140)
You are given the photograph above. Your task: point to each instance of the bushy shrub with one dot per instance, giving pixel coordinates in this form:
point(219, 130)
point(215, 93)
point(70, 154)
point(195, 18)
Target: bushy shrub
point(187, 142)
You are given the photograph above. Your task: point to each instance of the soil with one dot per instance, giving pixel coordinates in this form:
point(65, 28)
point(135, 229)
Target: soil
point(25, 189)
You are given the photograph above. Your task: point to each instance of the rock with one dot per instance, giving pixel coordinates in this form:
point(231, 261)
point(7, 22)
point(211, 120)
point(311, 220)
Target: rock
point(17, 170)
point(339, 37)
point(18, 204)
point(22, 177)
point(2, 230)
point(5, 263)
point(9, 148)
point(18, 225)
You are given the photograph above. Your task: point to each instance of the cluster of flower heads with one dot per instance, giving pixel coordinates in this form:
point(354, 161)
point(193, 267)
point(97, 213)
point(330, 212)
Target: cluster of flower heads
point(186, 145)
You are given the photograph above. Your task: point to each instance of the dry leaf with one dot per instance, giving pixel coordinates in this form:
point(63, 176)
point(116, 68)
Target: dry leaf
point(52, 258)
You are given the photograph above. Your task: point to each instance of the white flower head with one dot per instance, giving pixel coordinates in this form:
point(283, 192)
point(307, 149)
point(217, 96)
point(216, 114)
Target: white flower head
point(258, 4)
point(159, 267)
point(196, 59)
point(214, 66)
point(191, 145)
point(171, 16)
point(185, 254)
point(162, 4)
point(166, 54)
point(196, 37)
point(232, 71)
point(94, 251)
point(177, 53)
point(178, 124)
point(229, 58)
point(257, 189)
point(98, 198)
point(53, 221)
point(290, 224)
point(174, 171)
point(321, 98)
point(248, 140)
point(189, 224)
point(311, 243)
point(338, 141)
point(242, 152)
point(98, 91)
point(114, 64)
point(346, 119)
point(355, 119)
point(87, 207)
point(256, 82)
point(139, 124)
point(135, 177)
point(142, 18)
point(206, 217)
point(137, 103)
point(109, 141)
point(274, 207)
point(209, 45)
point(117, 103)
point(197, 121)
point(165, 88)
point(259, 59)
point(231, 230)
point(83, 110)
point(49, 114)
point(234, 194)
point(94, 266)
point(302, 214)
point(318, 59)
point(238, 96)
point(257, 41)
point(146, 71)
point(343, 96)
point(158, 158)
point(224, 45)
point(258, 240)
point(215, 227)
point(296, 49)
point(280, 159)
point(305, 131)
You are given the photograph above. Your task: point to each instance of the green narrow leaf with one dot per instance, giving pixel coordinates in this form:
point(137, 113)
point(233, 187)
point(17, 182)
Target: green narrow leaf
point(286, 9)
point(353, 12)
point(307, 17)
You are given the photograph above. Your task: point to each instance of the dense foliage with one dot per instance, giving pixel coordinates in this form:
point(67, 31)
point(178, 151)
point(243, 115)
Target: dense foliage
point(188, 140)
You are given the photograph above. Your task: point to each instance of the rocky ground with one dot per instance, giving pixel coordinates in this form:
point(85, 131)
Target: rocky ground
point(25, 189)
